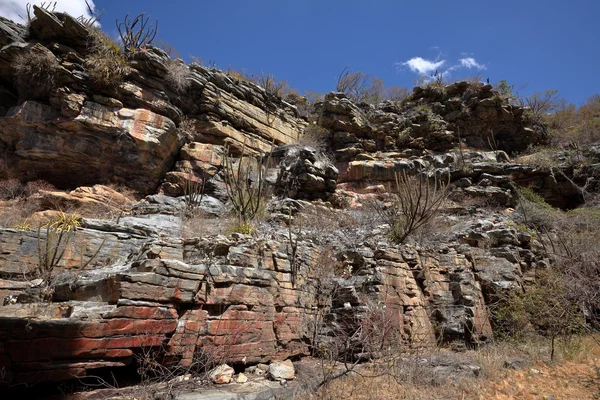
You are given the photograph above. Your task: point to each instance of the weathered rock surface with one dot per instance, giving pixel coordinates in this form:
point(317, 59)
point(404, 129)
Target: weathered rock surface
point(80, 133)
point(304, 174)
point(282, 370)
point(253, 300)
point(221, 374)
point(100, 144)
point(434, 118)
point(97, 197)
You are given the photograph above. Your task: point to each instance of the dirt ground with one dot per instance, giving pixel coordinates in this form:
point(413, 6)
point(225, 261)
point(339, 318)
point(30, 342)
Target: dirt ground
point(576, 375)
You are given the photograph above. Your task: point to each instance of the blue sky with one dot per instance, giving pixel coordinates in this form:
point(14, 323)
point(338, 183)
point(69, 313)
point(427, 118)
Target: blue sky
point(533, 44)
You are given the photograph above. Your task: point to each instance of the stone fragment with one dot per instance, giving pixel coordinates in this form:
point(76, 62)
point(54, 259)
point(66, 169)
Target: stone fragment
point(221, 374)
point(282, 370)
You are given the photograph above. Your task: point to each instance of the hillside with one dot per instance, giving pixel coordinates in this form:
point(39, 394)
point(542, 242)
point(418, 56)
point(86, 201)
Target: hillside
point(156, 209)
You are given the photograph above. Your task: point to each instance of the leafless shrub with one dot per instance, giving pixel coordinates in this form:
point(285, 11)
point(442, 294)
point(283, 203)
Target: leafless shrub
point(163, 376)
point(36, 72)
point(33, 187)
point(198, 223)
point(11, 189)
point(136, 34)
point(397, 93)
point(540, 104)
point(245, 184)
point(16, 213)
point(177, 74)
point(352, 84)
point(193, 190)
point(271, 85)
point(414, 202)
point(317, 137)
point(187, 128)
point(168, 48)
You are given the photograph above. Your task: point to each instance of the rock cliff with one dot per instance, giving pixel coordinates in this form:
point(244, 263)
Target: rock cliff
point(284, 291)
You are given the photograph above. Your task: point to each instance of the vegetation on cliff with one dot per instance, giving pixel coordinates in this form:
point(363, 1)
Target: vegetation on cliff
point(177, 217)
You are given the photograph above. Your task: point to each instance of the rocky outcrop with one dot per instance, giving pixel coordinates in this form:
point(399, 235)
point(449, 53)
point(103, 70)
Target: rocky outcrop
point(11, 32)
point(304, 173)
point(284, 292)
point(132, 132)
point(435, 118)
point(254, 300)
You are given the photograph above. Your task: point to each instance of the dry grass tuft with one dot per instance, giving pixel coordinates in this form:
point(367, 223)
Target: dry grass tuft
point(105, 62)
point(36, 72)
point(508, 370)
point(177, 73)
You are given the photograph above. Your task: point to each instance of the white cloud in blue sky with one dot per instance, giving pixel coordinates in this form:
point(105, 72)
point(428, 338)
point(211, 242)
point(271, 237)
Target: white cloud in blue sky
point(470, 62)
point(423, 66)
point(429, 68)
point(15, 9)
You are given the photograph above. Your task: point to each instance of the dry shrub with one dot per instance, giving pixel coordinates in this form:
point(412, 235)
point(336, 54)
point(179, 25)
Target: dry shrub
point(105, 61)
point(433, 231)
point(316, 137)
point(168, 48)
point(15, 213)
point(414, 203)
point(33, 187)
point(19, 204)
point(11, 189)
point(199, 223)
point(163, 375)
point(546, 157)
point(246, 186)
point(239, 76)
point(187, 128)
point(271, 85)
point(177, 74)
point(36, 72)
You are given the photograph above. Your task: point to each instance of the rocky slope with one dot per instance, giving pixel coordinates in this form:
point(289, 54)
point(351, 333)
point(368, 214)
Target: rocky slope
point(279, 293)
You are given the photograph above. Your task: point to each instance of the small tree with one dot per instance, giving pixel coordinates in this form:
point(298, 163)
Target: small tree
point(546, 307)
point(361, 87)
point(543, 103)
point(415, 201)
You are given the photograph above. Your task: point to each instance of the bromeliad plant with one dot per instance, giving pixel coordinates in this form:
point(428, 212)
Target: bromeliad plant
point(53, 239)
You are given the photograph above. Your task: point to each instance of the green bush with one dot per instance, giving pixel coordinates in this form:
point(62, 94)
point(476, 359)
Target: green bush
point(544, 308)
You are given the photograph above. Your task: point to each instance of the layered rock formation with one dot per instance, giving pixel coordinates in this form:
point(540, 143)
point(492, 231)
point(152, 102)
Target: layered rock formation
point(252, 299)
point(131, 132)
point(285, 291)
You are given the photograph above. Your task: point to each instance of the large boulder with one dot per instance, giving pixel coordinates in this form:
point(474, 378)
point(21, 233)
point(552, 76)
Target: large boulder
point(135, 147)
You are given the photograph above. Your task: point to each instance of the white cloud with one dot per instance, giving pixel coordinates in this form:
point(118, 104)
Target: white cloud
point(429, 70)
point(423, 66)
point(11, 9)
point(469, 62)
